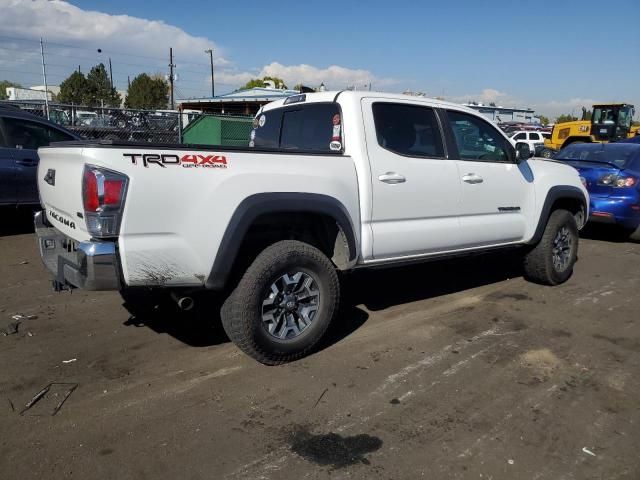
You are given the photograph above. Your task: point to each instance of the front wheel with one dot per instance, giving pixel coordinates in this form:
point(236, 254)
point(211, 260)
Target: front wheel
point(283, 304)
point(551, 261)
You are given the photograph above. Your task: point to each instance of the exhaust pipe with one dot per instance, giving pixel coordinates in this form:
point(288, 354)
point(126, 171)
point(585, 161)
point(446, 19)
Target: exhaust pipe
point(184, 303)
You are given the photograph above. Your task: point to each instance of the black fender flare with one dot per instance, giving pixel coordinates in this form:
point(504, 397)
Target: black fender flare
point(553, 195)
point(282, 202)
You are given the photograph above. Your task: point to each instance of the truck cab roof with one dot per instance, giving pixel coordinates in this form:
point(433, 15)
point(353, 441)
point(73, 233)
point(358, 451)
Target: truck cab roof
point(333, 96)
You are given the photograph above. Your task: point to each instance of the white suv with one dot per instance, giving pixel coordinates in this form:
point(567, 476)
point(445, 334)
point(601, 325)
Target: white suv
point(531, 137)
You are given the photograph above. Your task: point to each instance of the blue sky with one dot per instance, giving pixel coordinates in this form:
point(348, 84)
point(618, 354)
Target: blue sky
point(553, 56)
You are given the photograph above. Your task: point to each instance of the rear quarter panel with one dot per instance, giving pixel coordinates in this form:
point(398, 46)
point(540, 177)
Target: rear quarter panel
point(175, 216)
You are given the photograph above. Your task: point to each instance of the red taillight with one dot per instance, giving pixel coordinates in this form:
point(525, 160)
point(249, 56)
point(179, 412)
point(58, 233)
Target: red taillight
point(112, 192)
point(90, 191)
point(103, 193)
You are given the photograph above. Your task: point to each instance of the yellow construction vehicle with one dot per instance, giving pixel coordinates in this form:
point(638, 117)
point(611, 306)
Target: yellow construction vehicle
point(608, 123)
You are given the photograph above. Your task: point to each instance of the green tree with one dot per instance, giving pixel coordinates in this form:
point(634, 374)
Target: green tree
point(74, 89)
point(257, 82)
point(4, 84)
point(566, 118)
point(146, 92)
point(544, 120)
point(99, 89)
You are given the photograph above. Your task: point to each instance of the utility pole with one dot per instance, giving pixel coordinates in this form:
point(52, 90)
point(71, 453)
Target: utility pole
point(110, 73)
point(210, 52)
point(171, 65)
point(44, 75)
point(128, 82)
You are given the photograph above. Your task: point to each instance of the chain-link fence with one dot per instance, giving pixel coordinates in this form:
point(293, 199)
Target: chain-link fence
point(157, 126)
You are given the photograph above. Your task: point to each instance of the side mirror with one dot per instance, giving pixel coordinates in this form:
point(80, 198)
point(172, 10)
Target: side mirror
point(523, 152)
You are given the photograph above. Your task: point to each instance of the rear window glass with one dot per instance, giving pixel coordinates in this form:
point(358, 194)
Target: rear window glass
point(408, 129)
point(313, 127)
point(619, 154)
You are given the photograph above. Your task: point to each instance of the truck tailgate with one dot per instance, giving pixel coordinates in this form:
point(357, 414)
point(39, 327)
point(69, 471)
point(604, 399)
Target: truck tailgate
point(60, 186)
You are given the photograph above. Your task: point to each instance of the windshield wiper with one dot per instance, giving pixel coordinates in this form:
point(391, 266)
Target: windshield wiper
point(590, 161)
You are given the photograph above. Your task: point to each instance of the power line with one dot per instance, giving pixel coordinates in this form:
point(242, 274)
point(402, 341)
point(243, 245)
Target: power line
point(93, 49)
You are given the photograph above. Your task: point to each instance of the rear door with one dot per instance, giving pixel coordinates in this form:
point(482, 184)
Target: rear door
point(26, 136)
point(416, 188)
point(497, 194)
point(7, 172)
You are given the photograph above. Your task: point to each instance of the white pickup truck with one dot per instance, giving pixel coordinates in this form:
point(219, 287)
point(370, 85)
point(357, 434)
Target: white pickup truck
point(329, 182)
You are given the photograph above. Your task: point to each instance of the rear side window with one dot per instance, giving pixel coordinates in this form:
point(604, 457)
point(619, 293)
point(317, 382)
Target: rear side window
point(408, 130)
point(32, 135)
point(520, 136)
point(266, 130)
point(534, 136)
point(314, 127)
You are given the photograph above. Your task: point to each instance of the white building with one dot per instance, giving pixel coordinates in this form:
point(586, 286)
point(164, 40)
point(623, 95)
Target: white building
point(17, 93)
point(505, 114)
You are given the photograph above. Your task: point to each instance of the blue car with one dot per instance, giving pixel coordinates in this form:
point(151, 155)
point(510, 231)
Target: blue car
point(635, 139)
point(611, 174)
point(21, 134)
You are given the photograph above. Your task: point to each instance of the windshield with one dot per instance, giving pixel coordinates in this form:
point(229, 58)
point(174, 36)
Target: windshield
point(620, 116)
point(619, 154)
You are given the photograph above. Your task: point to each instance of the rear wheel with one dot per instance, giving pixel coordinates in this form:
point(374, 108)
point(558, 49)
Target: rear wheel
point(547, 153)
point(551, 261)
point(283, 304)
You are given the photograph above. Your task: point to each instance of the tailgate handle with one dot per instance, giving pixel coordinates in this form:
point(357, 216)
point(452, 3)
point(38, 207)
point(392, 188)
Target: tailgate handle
point(50, 177)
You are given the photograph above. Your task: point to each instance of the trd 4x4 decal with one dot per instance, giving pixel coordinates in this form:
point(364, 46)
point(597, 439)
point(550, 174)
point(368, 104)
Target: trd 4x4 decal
point(187, 161)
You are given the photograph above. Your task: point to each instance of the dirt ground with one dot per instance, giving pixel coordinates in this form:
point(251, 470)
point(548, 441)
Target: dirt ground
point(449, 370)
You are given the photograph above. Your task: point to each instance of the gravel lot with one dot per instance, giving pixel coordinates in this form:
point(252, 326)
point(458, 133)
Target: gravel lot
point(449, 370)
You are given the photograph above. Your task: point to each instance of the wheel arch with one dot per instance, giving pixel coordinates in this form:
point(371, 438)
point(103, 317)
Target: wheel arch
point(296, 208)
point(560, 197)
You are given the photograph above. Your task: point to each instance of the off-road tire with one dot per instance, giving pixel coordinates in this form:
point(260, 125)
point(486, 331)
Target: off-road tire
point(241, 313)
point(538, 262)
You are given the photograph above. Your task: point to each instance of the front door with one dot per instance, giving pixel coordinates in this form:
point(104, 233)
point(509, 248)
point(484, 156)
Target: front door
point(497, 193)
point(26, 136)
point(416, 188)
point(7, 172)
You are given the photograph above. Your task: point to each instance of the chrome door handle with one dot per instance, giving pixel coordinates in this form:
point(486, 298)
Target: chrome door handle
point(472, 178)
point(392, 178)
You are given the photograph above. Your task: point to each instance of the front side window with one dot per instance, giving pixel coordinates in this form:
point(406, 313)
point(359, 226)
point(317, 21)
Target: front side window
point(315, 127)
point(32, 135)
point(408, 130)
point(477, 139)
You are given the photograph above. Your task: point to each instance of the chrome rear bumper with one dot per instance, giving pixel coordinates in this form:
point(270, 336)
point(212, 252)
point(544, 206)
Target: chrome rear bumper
point(85, 265)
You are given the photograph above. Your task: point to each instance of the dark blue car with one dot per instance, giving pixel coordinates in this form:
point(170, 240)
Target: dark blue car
point(21, 134)
point(611, 173)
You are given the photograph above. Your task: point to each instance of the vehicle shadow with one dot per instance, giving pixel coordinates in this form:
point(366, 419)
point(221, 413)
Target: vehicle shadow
point(200, 327)
point(380, 289)
point(373, 289)
point(606, 233)
point(16, 221)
